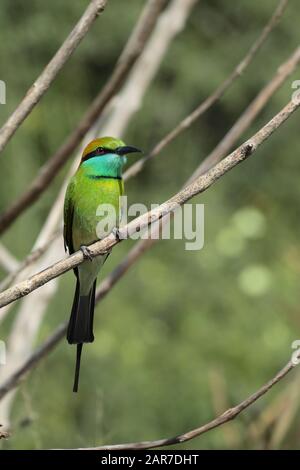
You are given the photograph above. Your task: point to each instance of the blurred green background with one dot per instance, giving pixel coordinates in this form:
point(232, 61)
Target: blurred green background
point(185, 333)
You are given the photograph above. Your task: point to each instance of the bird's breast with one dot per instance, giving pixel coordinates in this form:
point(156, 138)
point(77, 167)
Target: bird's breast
point(96, 200)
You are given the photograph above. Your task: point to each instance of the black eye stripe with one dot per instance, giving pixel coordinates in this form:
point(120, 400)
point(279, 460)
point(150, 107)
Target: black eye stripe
point(95, 153)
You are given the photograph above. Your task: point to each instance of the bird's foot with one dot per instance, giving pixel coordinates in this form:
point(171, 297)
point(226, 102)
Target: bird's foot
point(116, 232)
point(86, 252)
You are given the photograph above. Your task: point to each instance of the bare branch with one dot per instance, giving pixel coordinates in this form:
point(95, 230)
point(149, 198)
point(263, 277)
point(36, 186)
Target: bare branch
point(41, 85)
point(285, 70)
point(202, 183)
point(34, 256)
point(224, 418)
point(227, 416)
point(33, 308)
point(129, 100)
point(134, 254)
point(250, 113)
point(25, 327)
point(48, 171)
point(243, 152)
point(215, 96)
point(53, 340)
point(108, 283)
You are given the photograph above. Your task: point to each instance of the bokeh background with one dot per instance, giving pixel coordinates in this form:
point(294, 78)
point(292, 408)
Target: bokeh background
point(185, 334)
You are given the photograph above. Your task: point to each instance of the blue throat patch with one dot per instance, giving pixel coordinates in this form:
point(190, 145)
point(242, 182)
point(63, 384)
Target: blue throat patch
point(109, 165)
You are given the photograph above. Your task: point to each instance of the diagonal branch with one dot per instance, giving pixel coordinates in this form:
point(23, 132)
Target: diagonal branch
point(58, 334)
point(106, 285)
point(283, 72)
point(128, 57)
point(250, 113)
point(215, 96)
point(202, 183)
point(225, 417)
point(32, 310)
point(41, 85)
point(51, 168)
point(170, 23)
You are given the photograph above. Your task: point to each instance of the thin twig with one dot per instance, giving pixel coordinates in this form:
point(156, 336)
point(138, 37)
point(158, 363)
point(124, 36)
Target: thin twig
point(225, 417)
point(250, 113)
point(33, 307)
point(215, 96)
point(48, 171)
point(41, 85)
point(106, 285)
point(285, 70)
point(202, 183)
point(170, 23)
point(104, 288)
point(51, 168)
point(133, 255)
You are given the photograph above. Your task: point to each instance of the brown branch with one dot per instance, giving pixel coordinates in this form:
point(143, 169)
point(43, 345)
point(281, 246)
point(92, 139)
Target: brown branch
point(54, 339)
point(134, 46)
point(21, 372)
point(202, 183)
point(215, 96)
point(143, 245)
point(250, 113)
point(48, 171)
point(59, 333)
point(41, 85)
point(285, 70)
point(225, 417)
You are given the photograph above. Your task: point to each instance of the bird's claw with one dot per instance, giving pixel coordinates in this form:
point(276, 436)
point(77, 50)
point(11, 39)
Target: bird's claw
point(86, 252)
point(116, 233)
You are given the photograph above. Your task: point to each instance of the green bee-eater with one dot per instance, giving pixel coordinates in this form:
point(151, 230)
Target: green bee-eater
point(97, 181)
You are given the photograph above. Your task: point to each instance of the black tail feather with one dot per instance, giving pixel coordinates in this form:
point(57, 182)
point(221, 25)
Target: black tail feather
point(77, 368)
point(80, 328)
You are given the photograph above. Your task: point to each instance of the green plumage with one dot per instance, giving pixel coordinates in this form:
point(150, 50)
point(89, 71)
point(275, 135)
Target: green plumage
point(83, 197)
point(97, 182)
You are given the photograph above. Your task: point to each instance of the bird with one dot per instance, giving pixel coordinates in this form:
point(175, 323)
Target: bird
point(97, 181)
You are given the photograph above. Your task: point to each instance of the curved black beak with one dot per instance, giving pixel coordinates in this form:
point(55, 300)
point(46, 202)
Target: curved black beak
point(126, 149)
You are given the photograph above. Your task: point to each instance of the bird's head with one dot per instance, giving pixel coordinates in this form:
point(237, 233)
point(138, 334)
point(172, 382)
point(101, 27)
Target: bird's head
point(106, 155)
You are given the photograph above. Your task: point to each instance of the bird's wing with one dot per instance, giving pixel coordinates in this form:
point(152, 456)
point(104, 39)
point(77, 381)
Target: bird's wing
point(68, 218)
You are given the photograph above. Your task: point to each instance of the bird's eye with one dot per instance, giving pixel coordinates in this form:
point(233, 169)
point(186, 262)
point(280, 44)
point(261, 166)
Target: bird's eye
point(100, 150)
